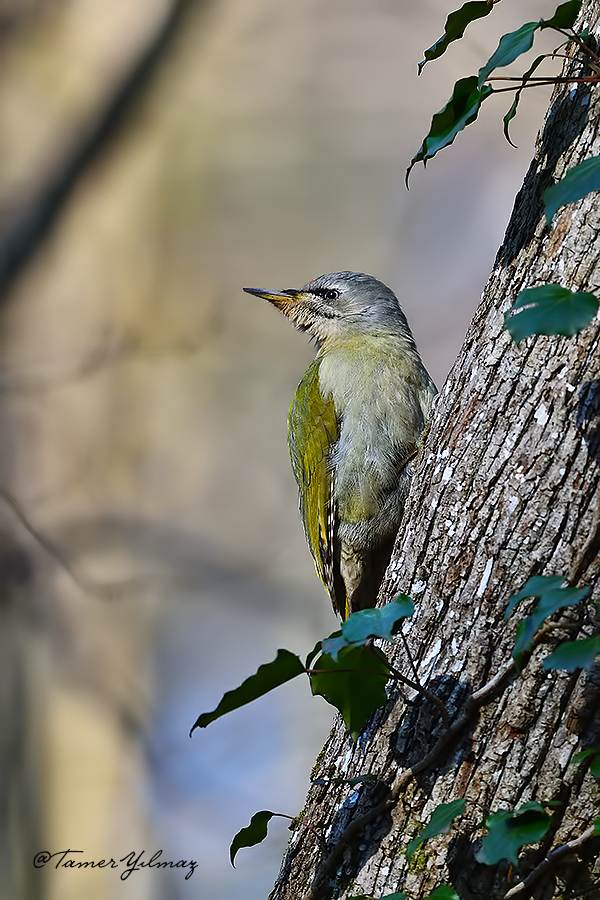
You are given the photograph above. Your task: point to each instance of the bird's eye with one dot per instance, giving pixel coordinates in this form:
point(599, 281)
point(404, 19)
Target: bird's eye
point(332, 295)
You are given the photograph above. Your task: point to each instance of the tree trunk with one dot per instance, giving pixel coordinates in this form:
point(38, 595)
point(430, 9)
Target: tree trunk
point(506, 487)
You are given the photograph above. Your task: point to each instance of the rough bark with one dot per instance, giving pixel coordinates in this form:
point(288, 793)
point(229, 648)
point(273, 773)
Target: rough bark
point(507, 486)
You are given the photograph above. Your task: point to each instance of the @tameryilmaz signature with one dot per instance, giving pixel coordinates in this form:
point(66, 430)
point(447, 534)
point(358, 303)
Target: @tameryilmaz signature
point(131, 862)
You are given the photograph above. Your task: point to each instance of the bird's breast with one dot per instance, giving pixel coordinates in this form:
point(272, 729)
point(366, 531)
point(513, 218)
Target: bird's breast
point(376, 397)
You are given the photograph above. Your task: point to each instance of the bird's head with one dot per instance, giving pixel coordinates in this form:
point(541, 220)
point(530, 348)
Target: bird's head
point(340, 305)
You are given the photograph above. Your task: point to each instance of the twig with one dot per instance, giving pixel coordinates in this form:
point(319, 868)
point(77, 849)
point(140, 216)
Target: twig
point(557, 626)
point(298, 823)
point(409, 655)
point(474, 704)
point(582, 44)
point(397, 675)
point(43, 541)
point(549, 862)
point(585, 79)
point(525, 81)
point(57, 555)
point(344, 672)
point(492, 689)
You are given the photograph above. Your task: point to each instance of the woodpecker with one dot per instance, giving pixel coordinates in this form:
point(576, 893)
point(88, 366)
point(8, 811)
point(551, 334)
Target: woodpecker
point(354, 426)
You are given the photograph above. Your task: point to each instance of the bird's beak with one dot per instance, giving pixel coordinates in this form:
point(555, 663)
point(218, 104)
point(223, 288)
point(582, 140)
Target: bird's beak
point(296, 305)
point(281, 299)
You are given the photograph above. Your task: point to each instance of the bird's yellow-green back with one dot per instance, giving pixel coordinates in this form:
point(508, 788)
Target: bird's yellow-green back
point(312, 432)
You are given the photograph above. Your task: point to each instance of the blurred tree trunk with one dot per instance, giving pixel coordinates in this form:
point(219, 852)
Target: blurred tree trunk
point(507, 486)
point(23, 234)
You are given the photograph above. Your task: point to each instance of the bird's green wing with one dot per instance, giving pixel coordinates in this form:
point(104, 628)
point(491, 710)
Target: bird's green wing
point(313, 429)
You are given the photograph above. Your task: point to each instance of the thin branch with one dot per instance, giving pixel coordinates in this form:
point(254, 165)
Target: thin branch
point(558, 626)
point(585, 79)
point(43, 541)
point(580, 43)
point(298, 823)
point(475, 703)
point(59, 557)
point(344, 672)
point(523, 80)
point(397, 675)
point(549, 862)
point(409, 656)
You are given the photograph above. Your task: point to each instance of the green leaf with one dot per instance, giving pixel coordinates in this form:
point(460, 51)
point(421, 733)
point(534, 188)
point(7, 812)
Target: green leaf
point(564, 17)
point(535, 587)
point(510, 47)
point(517, 42)
point(594, 753)
point(456, 24)
point(469, 93)
point(439, 823)
point(571, 655)
point(252, 834)
point(461, 109)
point(509, 831)
point(284, 667)
point(354, 684)
point(370, 623)
point(443, 892)
point(549, 603)
point(579, 181)
point(597, 827)
point(377, 623)
point(513, 109)
point(550, 309)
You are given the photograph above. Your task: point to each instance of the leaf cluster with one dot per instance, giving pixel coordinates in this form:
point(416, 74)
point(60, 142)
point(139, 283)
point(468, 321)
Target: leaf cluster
point(552, 595)
point(469, 93)
point(509, 830)
point(547, 309)
point(349, 672)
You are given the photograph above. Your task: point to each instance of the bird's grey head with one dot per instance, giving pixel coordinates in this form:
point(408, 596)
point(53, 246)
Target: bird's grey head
point(340, 304)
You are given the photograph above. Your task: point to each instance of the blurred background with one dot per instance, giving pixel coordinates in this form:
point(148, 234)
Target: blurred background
point(155, 157)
